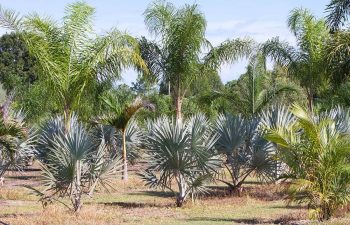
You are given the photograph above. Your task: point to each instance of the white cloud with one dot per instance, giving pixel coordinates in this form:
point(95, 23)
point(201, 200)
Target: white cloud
point(259, 30)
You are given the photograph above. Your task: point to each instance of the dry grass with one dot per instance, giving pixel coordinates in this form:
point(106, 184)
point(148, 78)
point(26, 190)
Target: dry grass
point(132, 203)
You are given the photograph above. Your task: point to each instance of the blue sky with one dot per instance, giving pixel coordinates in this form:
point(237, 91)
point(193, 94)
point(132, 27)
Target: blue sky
point(259, 19)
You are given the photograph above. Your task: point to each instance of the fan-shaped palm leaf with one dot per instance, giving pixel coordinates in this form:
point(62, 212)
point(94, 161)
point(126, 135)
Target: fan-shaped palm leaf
point(182, 152)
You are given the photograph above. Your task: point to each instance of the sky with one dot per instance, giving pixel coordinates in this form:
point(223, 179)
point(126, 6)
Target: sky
point(226, 19)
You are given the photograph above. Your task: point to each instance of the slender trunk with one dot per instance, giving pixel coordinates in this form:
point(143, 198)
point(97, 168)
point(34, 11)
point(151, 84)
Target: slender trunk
point(182, 190)
point(76, 197)
point(114, 143)
point(67, 116)
point(125, 162)
point(169, 92)
point(235, 169)
point(325, 213)
point(310, 100)
point(178, 108)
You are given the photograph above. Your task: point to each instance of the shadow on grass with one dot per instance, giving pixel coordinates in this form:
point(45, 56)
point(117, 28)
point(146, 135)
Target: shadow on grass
point(289, 207)
point(22, 177)
point(282, 220)
point(163, 194)
point(26, 169)
point(211, 219)
point(129, 205)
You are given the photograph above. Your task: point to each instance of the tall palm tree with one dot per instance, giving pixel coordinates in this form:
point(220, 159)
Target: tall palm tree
point(306, 63)
point(120, 117)
point(315, 148)
point(177, 60)
point(71, 56)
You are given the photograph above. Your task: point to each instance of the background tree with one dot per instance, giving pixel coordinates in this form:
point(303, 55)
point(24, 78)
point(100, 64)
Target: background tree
point(19, 78)
point(306, 63)
point(254, 90)
point(71, 57)
point(17, 67)
point(177, 60)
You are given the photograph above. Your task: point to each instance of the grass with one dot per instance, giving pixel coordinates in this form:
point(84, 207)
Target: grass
point(132, 203)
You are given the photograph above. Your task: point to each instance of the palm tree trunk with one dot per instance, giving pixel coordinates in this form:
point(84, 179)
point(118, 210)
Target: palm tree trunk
point(235, 169)
point(67, 116)
point(178, 108)
point(125, 162)
point(114, 143)
point(310, 100)
point(76, 198)
point(182, 190)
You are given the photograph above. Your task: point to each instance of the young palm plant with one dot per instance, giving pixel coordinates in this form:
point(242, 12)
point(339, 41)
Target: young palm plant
point(315, 148)
point(134, 137)
point(180, 152)
point(119, 118)
point(245, 151)
point(73, 162)
point(17, 142)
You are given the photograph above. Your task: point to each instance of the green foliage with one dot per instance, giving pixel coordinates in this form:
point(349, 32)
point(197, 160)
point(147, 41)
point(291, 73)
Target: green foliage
point(315, 148)
point(19, 77)
point(180, 152)
point(338, 57)
point(178, 60)
point(254, 90)
point(306, 63)
point(71, 57)
point(17, 67)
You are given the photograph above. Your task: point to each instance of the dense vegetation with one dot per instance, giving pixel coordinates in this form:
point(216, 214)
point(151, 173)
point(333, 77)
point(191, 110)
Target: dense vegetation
point(289, 124)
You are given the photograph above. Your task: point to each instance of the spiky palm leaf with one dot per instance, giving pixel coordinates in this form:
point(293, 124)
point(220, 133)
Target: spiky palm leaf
point(17, 142)
point(73, 164)
point(182, 152)
point(244, 149)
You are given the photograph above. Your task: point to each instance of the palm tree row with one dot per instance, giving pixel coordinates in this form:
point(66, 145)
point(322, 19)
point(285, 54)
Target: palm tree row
point(307, 148)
